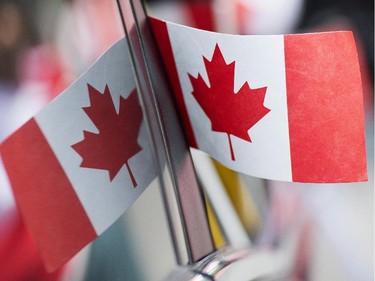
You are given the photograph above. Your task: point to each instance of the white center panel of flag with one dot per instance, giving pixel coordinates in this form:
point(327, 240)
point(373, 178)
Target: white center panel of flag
point(103, 199)
point(259, 60)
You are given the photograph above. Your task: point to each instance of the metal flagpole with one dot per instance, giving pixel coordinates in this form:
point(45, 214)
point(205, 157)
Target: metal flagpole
point(182, 195)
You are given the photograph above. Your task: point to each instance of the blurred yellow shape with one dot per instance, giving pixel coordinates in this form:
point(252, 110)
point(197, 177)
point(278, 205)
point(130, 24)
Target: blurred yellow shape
point(217, 234)
point(241, 198)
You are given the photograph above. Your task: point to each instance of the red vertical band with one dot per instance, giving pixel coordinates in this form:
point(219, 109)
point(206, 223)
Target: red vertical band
point(165, 47)
point(325, 108)
point(45, 197)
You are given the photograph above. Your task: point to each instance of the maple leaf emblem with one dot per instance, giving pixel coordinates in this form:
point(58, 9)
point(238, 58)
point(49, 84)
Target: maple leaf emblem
point(116, 141)
point(229, 112)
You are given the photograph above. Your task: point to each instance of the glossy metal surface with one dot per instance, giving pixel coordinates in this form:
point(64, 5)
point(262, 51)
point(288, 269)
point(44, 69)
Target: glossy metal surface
point(248, 264)
point(183, 198)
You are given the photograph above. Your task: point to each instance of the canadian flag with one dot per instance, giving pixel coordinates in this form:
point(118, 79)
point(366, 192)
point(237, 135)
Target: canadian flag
point(277, 107)
point(282, 107)
point(80, 163)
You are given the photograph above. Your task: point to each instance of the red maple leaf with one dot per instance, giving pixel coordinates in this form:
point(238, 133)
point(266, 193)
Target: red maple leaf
point(229, 112)
point(116, 141)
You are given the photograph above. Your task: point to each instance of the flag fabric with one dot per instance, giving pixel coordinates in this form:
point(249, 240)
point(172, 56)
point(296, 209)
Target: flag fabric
point(79, 163)
point(281, 107)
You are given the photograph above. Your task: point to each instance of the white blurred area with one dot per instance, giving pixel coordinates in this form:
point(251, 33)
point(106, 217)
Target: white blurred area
point(271, 17)
point(338, 220)
point(239, 16)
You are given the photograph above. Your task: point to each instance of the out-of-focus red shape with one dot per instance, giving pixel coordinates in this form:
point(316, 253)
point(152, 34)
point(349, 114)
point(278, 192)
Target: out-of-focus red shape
point(19, 256)
point(201, 14)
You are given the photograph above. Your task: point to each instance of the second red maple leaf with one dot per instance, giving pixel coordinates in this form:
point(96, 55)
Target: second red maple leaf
point(229, 112)
point(116, 141)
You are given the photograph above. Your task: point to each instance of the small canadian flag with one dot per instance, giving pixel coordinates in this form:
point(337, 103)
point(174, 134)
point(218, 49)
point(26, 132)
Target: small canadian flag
point(281, 107)
point(80, 163)
point(285, 107)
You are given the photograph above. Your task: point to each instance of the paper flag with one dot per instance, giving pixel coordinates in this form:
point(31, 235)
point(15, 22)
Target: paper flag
point(80, 163)
point(281, 107)
point(277, 107)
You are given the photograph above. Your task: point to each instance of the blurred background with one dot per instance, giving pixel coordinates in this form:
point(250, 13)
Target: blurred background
point(46, 44)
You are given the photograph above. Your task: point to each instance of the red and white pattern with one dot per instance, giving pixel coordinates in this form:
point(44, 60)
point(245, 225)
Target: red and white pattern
point(314, 130)
point(65, 203)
